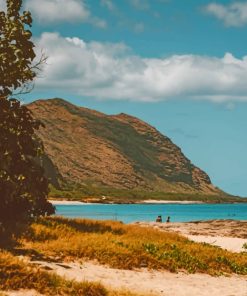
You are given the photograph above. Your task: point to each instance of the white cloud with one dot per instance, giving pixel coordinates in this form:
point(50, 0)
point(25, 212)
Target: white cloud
point(58, 10)
point(55, 11)
point(111, 71)
point(233, 15)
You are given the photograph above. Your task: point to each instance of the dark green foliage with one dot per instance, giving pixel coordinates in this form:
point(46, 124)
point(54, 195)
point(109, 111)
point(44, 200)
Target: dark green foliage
point(16, 49)
point(23, 187)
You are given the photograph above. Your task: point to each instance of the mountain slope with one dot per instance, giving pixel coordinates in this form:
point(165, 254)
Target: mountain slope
point(86, 147)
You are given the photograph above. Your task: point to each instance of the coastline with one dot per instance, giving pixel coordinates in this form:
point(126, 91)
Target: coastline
point(182, 202)
point(226, 234)
point(148, 201)
point(66, 202)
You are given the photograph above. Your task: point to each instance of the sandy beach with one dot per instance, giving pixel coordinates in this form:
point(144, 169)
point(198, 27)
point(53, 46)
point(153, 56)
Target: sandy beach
point(149, 201)
point(227, 234)
point(150, 282)
point(66, 202)
point(182, 202)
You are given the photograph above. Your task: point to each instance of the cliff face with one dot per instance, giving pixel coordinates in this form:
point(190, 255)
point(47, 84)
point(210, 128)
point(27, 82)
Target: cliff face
point(120, 151)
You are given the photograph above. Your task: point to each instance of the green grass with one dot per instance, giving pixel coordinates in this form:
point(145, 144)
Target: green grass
point(128, 247)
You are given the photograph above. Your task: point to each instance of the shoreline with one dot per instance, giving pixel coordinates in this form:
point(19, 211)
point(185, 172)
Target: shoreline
point(226, 234)
point(66, 202)
point(143, 202)
point(182, 202)
point(148, 201)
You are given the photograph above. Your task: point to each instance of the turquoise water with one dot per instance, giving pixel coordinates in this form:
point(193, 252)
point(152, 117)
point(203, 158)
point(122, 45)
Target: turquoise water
point(148, 212)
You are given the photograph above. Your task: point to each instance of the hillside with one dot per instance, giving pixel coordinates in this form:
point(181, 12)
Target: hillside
point(97, 154)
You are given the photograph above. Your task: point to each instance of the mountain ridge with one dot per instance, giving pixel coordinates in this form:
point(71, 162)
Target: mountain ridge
point(88, 148)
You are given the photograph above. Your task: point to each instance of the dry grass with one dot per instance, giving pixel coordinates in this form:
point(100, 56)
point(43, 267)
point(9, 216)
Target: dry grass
point(128, 247)
point(16, 274)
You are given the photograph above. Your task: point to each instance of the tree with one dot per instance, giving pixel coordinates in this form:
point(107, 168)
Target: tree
point(16, 49)
point(23, 187)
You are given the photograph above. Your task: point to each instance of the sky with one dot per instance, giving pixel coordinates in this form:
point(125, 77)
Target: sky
point(179, 65)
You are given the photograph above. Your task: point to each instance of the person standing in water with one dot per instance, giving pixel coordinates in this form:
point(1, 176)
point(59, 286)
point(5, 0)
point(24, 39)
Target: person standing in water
point(168, 219)
point(159, 219)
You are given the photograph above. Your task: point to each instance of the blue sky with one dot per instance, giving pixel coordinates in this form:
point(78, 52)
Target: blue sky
point(179, 65)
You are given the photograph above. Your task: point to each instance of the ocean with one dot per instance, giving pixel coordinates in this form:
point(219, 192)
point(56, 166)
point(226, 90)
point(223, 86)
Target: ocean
point(128, 213)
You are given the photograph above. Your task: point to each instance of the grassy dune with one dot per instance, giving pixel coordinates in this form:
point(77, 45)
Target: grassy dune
point(111, 243)
point(16, 274)
point(128, 247)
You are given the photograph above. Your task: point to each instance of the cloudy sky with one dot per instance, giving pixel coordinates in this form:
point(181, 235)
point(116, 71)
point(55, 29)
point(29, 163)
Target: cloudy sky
point(179, 65)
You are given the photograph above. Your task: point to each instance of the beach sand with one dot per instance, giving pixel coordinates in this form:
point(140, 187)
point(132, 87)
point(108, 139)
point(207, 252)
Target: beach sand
point(150, 282)
point(149, 201)
point(183, 202)
point(66, 202)
point(227, 234)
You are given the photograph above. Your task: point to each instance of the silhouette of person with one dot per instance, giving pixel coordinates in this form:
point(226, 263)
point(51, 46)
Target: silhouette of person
point(159, 219)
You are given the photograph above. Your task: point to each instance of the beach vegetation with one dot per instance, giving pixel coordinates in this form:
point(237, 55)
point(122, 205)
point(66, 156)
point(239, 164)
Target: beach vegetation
point(128, 247)
point(16, 274)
